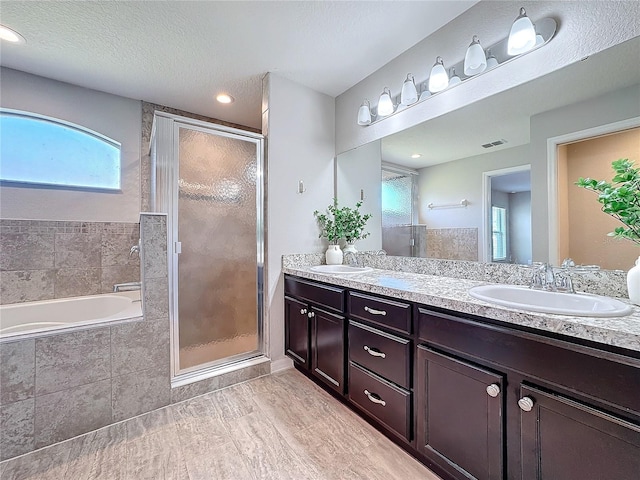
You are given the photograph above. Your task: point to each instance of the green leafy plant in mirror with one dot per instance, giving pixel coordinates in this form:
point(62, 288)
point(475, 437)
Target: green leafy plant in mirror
point(342, 222)
point(620, 198)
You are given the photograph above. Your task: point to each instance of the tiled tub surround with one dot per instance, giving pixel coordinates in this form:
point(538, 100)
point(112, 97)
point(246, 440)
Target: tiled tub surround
point(449, 290)
point(56, 387)
point(42, 260)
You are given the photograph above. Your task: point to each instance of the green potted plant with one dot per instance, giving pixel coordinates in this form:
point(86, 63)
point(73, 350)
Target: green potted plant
point(620, 198)
point(341, 222)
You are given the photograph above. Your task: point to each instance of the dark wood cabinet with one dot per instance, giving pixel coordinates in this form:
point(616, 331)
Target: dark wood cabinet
point(563, 438)
point(460, 418)
point(327, 348)
point(297, 331)
point(471, 398)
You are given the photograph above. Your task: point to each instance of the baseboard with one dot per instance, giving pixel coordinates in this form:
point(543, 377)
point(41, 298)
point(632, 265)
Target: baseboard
point(281, 364)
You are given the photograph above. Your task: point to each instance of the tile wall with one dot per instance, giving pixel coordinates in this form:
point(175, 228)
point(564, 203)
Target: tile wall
point(41, 260)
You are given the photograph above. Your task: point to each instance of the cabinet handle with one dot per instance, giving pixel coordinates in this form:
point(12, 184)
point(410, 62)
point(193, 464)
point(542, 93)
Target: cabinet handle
point(374, 353)
point(493, 390)
point(303, 311)
point(375, 312)
point(374, 399)
point(525, 404)
point(311, 314)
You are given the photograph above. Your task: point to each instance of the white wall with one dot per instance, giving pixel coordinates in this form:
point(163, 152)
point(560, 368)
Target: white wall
point(449, 183)
point(299, 125)
point(576, 38)
point(116, 117)
point(520, 227)
point(359, 169)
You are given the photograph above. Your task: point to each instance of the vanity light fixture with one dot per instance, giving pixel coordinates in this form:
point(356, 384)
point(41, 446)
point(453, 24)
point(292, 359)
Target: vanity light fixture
point(475, 61)
point(438, 79)
point(385, 104)
point(522, 36)
point(364, 113)
point(409, 94)
point(454, 79)
point(225, 98)
point(10, 35)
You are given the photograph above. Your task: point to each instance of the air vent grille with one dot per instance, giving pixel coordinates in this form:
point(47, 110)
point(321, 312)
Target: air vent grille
point(502, 141)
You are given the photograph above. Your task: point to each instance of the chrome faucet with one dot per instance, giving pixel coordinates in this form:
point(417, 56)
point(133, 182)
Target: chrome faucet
point(127, 287)
point(135, 249)
point(351, 259)
point(543, 277)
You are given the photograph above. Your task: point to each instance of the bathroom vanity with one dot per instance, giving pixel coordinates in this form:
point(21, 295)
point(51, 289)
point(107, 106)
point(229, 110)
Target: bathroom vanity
point(470, 389)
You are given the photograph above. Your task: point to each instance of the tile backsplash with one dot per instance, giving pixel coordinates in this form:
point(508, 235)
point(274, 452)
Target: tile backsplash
point(41, 260)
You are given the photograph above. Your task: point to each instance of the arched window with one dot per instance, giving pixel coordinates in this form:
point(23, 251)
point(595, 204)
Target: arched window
point(46, 151)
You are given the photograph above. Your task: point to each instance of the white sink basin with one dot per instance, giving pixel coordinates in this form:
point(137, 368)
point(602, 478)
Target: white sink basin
point(575, 304)
point(339, 269)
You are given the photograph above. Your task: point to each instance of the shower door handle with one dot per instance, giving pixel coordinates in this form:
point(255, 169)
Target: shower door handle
point(178, 247)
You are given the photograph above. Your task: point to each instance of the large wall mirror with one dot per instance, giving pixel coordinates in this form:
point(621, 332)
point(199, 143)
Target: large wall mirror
point(494, 181)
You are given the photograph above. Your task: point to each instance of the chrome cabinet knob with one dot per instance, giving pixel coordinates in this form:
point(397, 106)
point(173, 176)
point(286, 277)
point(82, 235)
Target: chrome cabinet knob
point(303, 311)
point(525, 404)
point(311, 314)
point(493, 390)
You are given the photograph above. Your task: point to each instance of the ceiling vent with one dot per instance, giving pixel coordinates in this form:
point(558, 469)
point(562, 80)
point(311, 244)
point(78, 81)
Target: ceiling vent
point(502, 141)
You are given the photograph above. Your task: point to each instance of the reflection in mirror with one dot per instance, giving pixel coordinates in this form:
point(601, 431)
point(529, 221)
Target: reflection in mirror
point(449, 157)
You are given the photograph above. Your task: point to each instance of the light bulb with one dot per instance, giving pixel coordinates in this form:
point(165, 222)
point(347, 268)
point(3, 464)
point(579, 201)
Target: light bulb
point(385, 104)
point(409, 93)
point(438, 79)
point(475, 61)
point(454, 79)
point(491, 60)
point(522, 36)
point(364, 113)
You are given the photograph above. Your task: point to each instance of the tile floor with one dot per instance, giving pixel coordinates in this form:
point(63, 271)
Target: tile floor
point(280, 426)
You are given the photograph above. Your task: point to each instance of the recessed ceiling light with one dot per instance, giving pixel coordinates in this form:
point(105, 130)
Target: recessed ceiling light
point(416, 155)
point(11, 35)
point(225, 98)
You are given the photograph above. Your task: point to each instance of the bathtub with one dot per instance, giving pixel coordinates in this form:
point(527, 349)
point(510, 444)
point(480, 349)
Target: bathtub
point(29, 319)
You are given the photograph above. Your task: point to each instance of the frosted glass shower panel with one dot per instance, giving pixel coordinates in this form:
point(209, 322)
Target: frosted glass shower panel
point(397, 213)
point(217, 290)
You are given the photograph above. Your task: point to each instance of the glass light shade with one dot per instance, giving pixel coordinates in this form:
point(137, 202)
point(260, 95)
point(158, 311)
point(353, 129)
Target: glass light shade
point(425, 94)
point(385, 104)
point(491, 60)
point(475, 61)
point(522, 36)
point(539, 40)
point(409, 92)
point(438, 79)
point(364, 113)
point(454, 79)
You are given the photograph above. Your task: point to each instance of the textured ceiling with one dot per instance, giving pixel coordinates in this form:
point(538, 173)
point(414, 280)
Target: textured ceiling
point(461, 133)
point(182, 53)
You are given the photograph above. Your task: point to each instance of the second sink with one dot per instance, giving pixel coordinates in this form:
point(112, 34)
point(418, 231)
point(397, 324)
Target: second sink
point(575, 304)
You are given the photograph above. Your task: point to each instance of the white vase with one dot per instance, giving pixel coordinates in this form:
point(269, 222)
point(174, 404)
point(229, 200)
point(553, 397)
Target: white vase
point(350, 248)
point(334, 255)
point(633, 283)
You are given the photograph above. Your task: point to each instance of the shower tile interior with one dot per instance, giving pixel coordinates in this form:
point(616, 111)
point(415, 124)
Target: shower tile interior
point(278, 426)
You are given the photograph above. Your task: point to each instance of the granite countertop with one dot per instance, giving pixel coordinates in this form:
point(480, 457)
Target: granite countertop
point(452, 294)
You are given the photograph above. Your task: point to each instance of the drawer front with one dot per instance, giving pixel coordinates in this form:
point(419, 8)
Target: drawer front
point(603, 376)
point(384, 401)
point(387, 355)
point(391, 314)
point(325, 295)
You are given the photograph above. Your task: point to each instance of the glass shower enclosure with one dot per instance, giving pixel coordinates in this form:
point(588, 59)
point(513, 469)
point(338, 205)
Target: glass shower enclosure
point(208, 180)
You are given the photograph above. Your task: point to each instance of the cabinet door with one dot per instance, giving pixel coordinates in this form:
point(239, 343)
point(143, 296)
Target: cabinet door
point(327, 348)
point(562, 438)
point(296, 318)
point(460, 416)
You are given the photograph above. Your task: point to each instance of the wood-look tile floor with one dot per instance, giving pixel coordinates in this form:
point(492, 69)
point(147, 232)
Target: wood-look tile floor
point(280, 426)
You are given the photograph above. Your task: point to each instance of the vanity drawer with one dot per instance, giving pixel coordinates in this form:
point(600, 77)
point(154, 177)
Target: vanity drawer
point(391, 314)
point(388, 404)
point(326, 295)
point(387, 355)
